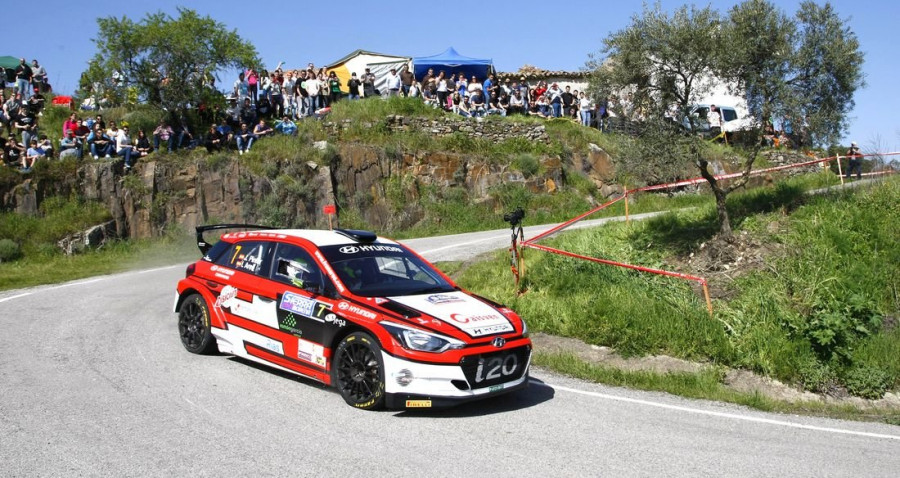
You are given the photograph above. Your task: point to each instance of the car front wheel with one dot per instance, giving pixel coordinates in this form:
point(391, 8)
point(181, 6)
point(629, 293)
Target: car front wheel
point(359, 371)
point(193, 326)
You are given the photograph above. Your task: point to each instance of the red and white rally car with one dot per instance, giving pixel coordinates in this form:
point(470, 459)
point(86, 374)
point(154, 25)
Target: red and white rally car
point(353, 310)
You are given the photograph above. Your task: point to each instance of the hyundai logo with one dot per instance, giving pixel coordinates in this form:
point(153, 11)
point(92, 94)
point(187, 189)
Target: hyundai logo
point(498, 342)
point(349, 249)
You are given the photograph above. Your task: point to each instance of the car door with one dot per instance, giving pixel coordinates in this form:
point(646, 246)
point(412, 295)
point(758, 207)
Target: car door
point(247, 299)
point(304, 305)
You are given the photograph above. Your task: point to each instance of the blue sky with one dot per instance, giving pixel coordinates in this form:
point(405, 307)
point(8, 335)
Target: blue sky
point(546, 34)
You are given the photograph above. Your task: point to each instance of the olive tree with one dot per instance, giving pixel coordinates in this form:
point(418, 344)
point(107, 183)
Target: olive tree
point(168, 62)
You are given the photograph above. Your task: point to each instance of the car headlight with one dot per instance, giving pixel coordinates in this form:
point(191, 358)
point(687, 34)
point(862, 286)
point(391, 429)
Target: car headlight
point(417, 339)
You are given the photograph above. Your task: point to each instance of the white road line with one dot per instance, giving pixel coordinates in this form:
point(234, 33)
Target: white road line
point(732, 416)
point(89, 281)
point(461, 244)
point(15, 296)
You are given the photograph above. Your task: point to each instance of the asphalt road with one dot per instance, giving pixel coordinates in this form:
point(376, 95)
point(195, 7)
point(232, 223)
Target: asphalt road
point(94, 382)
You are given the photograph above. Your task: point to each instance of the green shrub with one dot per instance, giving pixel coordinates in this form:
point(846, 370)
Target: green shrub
point(867, 382)
point(816, 377)
point(511, 195)
point(9, 250)
point(527, 163)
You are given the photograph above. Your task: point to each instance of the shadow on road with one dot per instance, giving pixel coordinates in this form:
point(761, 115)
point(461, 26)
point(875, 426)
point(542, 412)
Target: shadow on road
point(536, 393)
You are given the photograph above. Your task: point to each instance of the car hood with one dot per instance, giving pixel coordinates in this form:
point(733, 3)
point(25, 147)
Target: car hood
point(461, 311)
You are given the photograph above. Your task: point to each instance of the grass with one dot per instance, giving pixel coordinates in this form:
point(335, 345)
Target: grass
point(823, 309)
point(706, 385)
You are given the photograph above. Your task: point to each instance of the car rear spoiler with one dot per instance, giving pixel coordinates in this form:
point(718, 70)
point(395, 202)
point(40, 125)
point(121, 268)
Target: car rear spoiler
point(205, 246)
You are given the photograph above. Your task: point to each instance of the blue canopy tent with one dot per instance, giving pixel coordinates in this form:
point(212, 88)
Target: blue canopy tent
point(452, 63)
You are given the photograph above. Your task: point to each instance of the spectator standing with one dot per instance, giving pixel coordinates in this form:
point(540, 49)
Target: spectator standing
point(393, 83)
point(555, 99)
point(276, 95)
point(23, 79)
point(287, 89)
point(461, 85)
point(714, 117)
point(406, 79)
point(301, 96)
point(353, 86)
point(415, 90)
point(368, 81)
point(38, 77)
point(253, 85)
point(313, 88)
point(584, 105)
point(855, 161)
point(488, 87)
point(441, 88)
point(334, 86)
point(473, 86)
point(568, 101)
point(241, 87)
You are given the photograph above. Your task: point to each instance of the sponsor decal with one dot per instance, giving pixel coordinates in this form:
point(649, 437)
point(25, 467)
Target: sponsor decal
point(464, 319)
point(496, 388)
point(333, 319)
point(289, 325)
point(226, 297)
point(221, 270)
point(297, 304)
point(330, 272)
point(348, 307)
point(310, 352)
point(438, 299)
point(380, 300)
point(273, 345)
point(369, 248)
point(418, 404)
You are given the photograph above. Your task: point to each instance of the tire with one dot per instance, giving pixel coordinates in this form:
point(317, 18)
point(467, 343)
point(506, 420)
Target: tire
point(193, 326)
point(358, 371)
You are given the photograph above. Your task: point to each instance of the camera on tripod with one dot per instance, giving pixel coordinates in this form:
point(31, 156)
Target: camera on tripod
point(515, 217)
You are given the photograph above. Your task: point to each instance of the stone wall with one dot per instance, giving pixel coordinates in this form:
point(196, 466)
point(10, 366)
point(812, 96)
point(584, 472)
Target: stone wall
point(475, 127)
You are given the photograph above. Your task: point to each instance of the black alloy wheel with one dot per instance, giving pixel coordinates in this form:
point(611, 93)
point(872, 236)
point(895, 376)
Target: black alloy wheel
point(193, 326)
point(359, 371)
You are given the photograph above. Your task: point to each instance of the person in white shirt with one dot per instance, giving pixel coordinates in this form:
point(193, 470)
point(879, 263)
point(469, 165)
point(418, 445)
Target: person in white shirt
point(584, 104)
point(393, 83)
point(124, 147)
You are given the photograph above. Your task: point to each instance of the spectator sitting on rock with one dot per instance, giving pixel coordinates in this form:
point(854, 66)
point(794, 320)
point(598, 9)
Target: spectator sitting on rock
point(125, 148)
point(69, 146)
point(516, 103)
point(227, 133)
point(286, 126)
point(46, 146)
point(244, 139)
point(476, 103)
point(31, 155)
point(100, 144)
point(13, 152)
point(214, 139)
point(248, 113)
point(262, 129)
point(142, 145)
point(70, 124)
point(164, 133)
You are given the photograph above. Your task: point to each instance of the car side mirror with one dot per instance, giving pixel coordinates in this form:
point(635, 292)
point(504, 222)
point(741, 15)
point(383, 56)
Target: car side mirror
point(314, 287)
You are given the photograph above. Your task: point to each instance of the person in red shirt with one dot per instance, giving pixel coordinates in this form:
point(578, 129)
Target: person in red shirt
point(70, 124)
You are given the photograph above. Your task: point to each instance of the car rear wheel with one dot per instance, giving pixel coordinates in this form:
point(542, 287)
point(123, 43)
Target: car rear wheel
point(193, 326)
point(359, 371)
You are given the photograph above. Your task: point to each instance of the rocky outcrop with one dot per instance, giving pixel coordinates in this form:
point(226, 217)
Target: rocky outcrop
point(185, 191)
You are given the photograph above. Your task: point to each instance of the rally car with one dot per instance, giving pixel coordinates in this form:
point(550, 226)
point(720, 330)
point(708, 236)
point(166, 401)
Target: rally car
point(362, 313)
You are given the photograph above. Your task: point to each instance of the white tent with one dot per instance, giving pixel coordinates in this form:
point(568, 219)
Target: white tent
point(357, 62)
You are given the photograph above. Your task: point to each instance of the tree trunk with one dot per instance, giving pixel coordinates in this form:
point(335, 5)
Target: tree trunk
point(721, 195)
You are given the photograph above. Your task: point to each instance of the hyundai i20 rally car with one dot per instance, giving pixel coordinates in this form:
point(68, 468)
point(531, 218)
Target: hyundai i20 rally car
point(359, 312)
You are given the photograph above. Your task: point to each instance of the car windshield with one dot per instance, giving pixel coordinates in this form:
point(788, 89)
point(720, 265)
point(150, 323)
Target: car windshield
point(383, 270)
